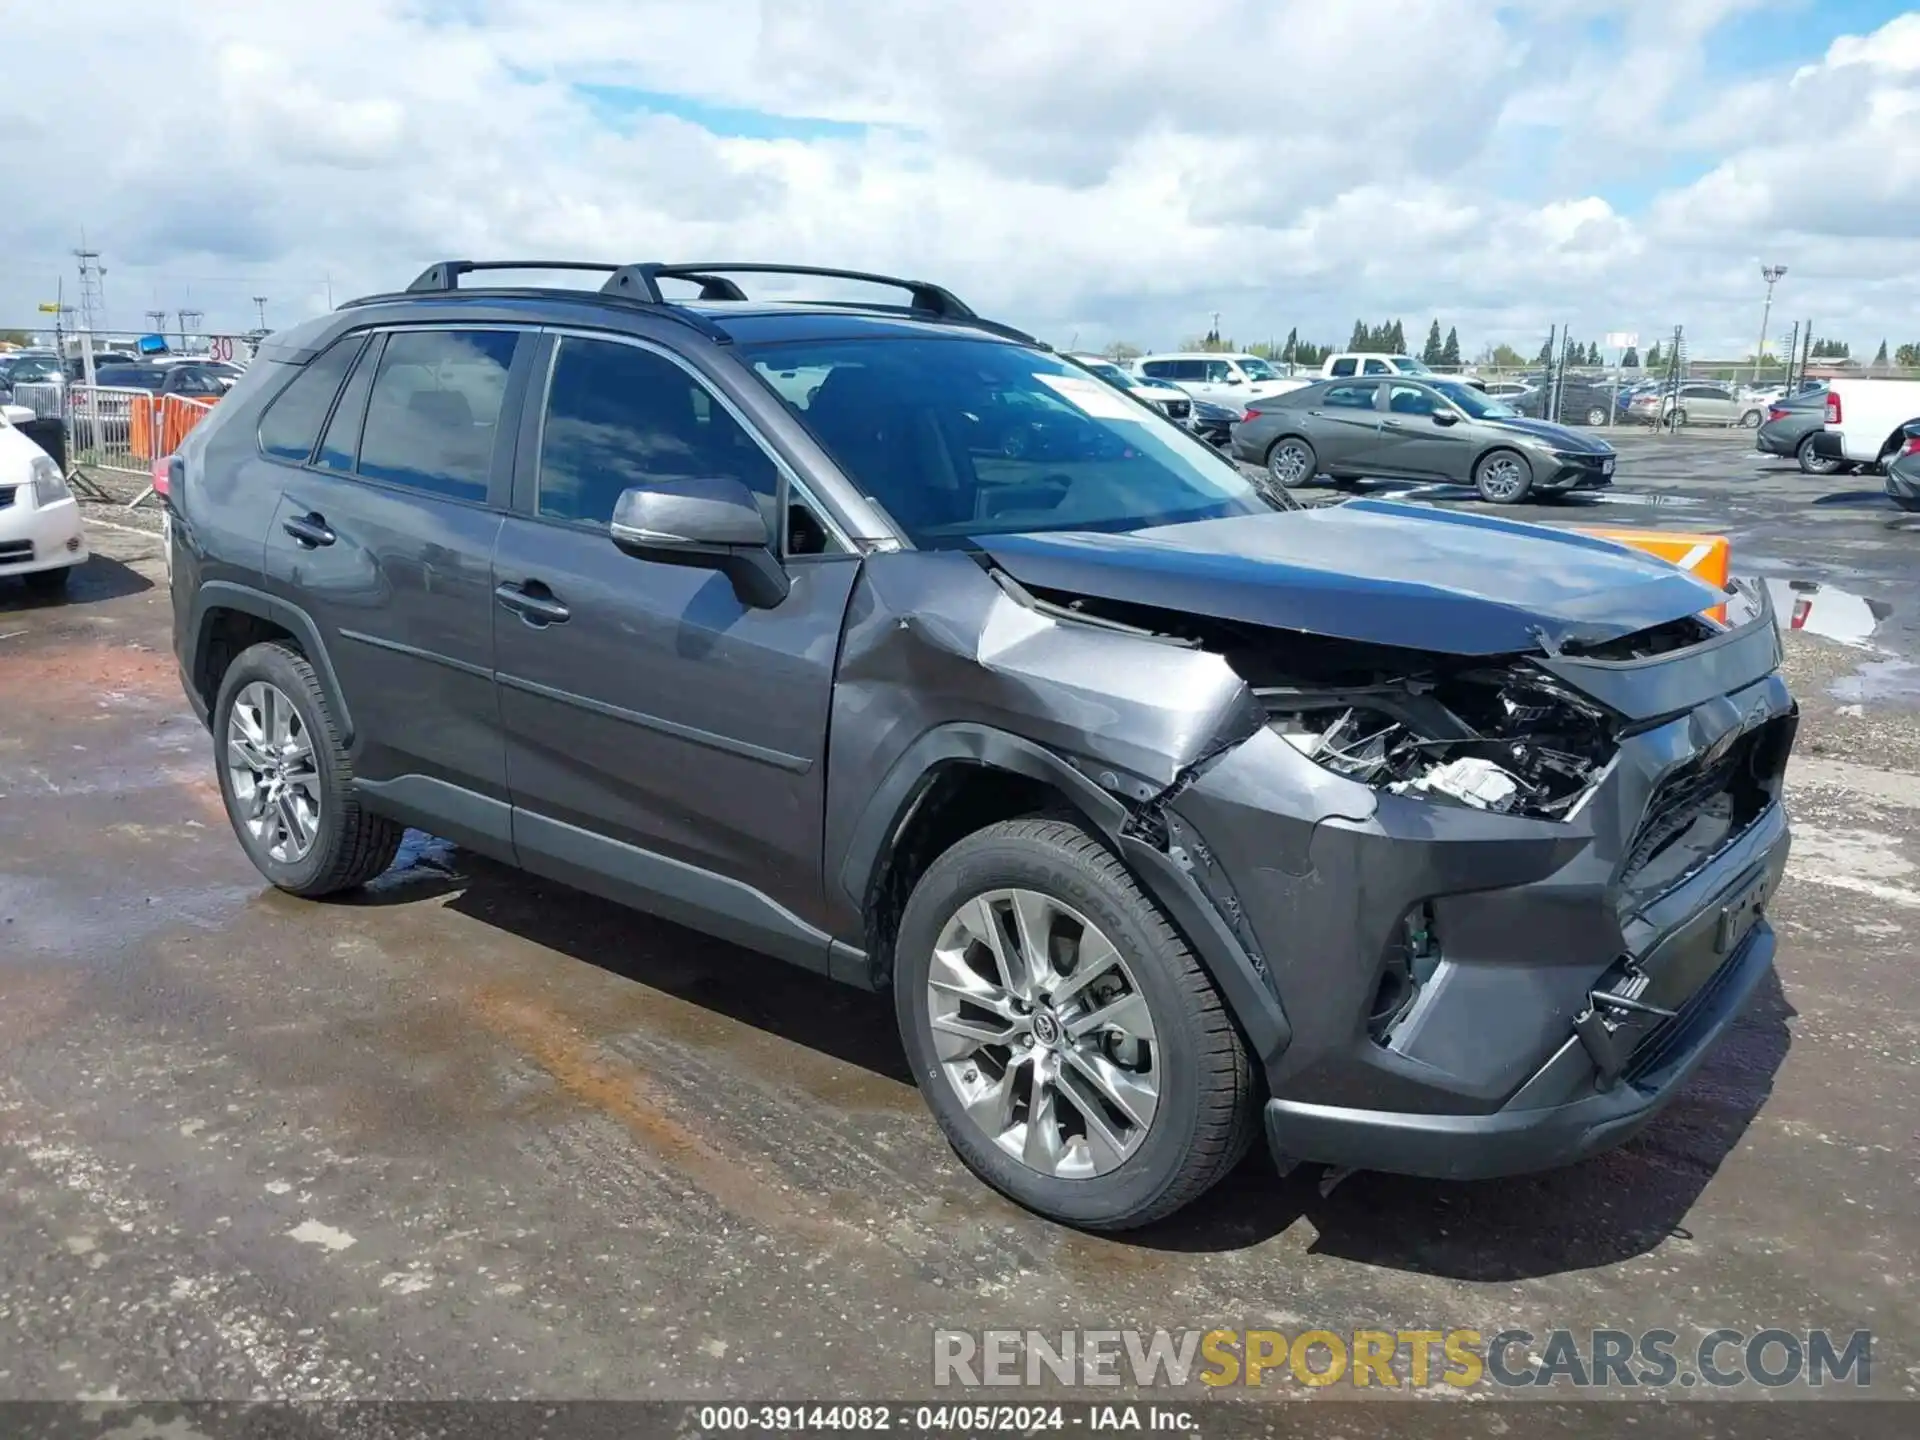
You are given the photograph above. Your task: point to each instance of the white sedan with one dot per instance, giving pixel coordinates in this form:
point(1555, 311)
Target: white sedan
point(41, 536)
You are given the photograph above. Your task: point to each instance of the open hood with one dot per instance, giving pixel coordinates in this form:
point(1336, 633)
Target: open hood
point(1372, 571)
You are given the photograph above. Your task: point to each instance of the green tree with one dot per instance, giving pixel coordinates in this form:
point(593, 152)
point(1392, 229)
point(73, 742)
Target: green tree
point(1503, 356)
point(1907, 357)
point(1630, 360)
point(1396, 339)
point(1121, 351)
point(1361, 337)
point(1545, 357)
point(1880, 356)
point(1206, 343)
point(1430, 352)
point(1450, 349)
point(1287, 351)
point(16, 337)
point(1654, 358)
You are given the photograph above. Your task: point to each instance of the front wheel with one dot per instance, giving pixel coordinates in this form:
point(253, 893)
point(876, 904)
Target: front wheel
point(1596, 416)
point(1503, 477)
point(1812, 463)
point(1071, 1048)
point(1291, 462)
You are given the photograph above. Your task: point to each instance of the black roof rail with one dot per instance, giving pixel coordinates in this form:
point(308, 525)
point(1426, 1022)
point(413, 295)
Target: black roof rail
point(926, 297)
point(445, 274)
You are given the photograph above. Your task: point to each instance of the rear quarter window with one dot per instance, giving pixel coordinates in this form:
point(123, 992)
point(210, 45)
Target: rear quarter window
point(291, 426)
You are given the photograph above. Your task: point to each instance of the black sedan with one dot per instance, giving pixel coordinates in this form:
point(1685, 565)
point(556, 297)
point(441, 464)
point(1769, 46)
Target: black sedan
point(1903, 470)
point(1214, 423)
point(1791, 430)
point(1406, 428)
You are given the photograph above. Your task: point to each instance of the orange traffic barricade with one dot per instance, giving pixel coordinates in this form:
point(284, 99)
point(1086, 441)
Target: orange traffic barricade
point(160, 423)
point(1707, 556)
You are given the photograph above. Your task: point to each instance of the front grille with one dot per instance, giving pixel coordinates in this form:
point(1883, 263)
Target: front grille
point(1733, 788)
point(1179, 409)
point(6, 495)
point(15, 552)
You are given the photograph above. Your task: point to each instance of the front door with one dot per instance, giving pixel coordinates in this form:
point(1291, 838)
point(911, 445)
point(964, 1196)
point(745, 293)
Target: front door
point(1412, 444)
point(385, 534)
point(666, 743)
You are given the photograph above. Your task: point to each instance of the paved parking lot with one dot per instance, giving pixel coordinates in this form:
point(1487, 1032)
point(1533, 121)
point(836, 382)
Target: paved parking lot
point(471, 1134)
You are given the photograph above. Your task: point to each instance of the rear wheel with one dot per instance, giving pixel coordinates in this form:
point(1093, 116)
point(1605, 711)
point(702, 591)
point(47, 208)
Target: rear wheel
point(1812, 463)
point(1677, 418)
point(287, 780)
point(1291, 462)
point(1503, 477)
point(1596, 416)
point(1751, 420)
point(1071, 1048)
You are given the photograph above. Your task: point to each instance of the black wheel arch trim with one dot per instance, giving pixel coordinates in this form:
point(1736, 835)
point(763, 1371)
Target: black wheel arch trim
point(229, 595)
point(894, 800)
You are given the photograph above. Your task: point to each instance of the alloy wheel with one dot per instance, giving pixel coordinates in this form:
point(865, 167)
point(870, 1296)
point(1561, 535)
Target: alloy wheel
point(270, 764)
point(1503, 477)
point(1289, 464)
point(1043, 1033)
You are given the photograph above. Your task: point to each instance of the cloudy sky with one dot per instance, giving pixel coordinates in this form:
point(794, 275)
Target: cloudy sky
point(1091, 169)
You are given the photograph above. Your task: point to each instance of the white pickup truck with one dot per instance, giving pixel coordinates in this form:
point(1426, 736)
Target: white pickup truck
point(1865, 416)
point(1371, 362)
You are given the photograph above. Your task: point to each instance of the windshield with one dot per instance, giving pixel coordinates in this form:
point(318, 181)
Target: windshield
point(959, 437)
point(1258, 369)
point(1480, 407)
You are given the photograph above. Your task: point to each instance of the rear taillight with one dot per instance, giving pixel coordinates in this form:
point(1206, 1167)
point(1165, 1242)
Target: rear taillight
point(1250, 415)
point(1801, 609)
point(1912, 447)
point(160, 475)
point(1775, 412)
point(1833, 409)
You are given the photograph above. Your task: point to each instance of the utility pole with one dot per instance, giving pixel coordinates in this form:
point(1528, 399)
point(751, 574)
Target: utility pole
point(1771, 274)
point(1793, 354)
point(157, 319)
point(189, 325)
point(260, 304)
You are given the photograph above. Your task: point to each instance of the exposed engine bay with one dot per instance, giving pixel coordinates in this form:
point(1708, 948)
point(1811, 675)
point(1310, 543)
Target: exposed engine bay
point(1504, 740)
point(1500, 735)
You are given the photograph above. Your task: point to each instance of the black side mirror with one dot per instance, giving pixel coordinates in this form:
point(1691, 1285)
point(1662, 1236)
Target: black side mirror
point(710, 522)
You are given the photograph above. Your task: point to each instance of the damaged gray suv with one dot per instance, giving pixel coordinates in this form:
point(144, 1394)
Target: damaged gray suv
point(882, 639)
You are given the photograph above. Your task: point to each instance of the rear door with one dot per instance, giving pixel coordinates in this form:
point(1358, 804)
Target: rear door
point(665, 742)
point(1345, 427)
point(385, 536)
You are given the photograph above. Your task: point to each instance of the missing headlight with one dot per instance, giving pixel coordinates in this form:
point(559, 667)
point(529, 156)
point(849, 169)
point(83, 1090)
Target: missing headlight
point(1504, 741)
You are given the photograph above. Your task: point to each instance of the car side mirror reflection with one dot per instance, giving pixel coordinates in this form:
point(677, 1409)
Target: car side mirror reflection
point(707, 522)
point(1445, 417)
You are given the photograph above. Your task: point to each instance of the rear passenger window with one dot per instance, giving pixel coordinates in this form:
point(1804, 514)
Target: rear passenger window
point(1350, 397)
point(292, 422)
point(435, 409)
point(1342, 367)
point(618, 416)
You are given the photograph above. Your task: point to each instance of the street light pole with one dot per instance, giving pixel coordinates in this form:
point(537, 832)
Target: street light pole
point(1771, 274)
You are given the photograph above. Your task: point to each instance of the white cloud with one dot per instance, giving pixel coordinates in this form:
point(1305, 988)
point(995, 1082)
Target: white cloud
point(1113, 168)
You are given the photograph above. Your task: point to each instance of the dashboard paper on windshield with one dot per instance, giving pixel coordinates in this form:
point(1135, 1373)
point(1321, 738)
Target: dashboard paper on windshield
point(1092, 397)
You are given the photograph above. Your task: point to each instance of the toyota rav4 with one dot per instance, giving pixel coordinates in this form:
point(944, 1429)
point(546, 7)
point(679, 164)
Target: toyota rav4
point(1425, 842)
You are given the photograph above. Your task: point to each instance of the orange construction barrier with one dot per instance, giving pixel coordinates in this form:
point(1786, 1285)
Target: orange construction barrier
point(159, 424)
point(1707, 556)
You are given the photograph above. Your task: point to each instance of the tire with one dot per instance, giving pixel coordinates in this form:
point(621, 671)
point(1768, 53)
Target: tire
point(49, 582)
point(1503, 477)
point(1812, 464)
point(348, 845)
point(1751, 420)
point(1291, 462)
point(1204, 1112)
point(1596, 416)
point(1678, 419)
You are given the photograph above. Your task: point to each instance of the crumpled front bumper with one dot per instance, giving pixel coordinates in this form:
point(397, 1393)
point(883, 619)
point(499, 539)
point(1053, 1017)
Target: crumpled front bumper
point(1576, 985)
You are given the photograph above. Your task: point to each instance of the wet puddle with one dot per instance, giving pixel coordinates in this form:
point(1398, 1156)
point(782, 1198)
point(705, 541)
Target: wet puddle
point(1824, 610)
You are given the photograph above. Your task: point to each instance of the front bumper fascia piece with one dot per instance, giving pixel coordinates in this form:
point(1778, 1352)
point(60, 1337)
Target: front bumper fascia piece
point(1576, 984)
